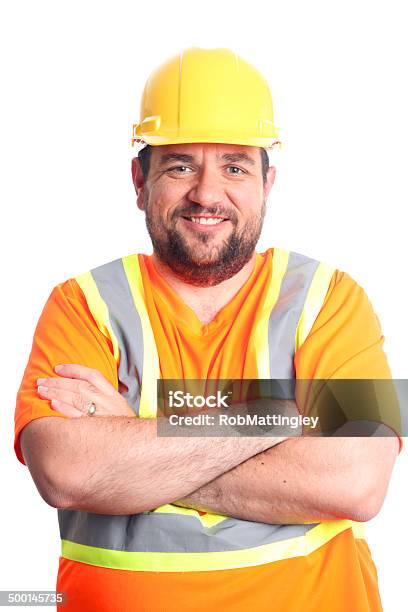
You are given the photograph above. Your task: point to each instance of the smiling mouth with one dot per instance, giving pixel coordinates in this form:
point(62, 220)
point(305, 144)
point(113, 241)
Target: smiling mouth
point(207, 220)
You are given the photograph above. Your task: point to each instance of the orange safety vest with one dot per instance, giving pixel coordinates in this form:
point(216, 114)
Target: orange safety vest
point(170, 538)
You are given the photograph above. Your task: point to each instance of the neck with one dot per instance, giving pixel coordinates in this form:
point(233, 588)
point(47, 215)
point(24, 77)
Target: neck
point(205, 301)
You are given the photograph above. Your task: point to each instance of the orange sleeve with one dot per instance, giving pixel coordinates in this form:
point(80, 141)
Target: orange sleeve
point(66, 333)
point(345, 341)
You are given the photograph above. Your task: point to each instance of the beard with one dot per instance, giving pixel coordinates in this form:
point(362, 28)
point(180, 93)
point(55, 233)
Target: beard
point(212, 260)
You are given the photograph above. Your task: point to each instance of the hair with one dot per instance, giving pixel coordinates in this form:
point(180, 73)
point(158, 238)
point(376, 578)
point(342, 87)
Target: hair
point(146, 153)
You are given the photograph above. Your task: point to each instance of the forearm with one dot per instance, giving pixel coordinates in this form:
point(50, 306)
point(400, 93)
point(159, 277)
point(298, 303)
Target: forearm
point(304, 480)
point(118, 465)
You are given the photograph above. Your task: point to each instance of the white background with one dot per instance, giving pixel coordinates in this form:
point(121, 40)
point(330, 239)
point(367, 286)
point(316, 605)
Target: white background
point(71, 79)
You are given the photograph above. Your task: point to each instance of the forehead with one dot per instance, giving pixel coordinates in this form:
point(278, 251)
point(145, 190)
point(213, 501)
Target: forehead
point(200, 151)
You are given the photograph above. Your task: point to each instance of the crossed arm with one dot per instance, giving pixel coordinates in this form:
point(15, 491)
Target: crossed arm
point(304, 480)
point(116, 464)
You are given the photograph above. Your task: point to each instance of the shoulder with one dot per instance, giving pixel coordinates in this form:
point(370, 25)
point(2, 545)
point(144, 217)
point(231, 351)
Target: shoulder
point(293, 261)
point(344, 305)
point(328, 292)
point(75, 288)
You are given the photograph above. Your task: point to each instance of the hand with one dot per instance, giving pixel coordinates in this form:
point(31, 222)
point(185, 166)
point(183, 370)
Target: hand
point(77, 387)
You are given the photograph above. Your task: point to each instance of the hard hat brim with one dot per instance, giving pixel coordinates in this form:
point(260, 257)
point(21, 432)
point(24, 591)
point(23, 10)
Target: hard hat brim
point(204, 137)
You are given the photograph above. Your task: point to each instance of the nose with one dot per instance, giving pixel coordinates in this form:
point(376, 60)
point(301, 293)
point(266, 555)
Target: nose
point(207, 189)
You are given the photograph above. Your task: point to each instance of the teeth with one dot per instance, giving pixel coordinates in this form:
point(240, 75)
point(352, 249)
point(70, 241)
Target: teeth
point(206, 220)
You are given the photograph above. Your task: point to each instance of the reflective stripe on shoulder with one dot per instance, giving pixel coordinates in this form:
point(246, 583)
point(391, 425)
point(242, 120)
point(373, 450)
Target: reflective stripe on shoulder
point(115, 296)
point(279, 266)
point(206, 561)
point(98, 308)
point(293, 276)
point(314, 301)
point(151, 366)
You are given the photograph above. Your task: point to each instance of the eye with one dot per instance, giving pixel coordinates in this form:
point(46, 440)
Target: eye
point(180, 169)
point(235, 170)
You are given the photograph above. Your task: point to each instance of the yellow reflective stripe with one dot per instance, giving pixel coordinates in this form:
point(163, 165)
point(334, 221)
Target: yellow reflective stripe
point(314, 301)
point(151, 367)
point(98, 308)
point(207, 520)
point(206, 561)
point(279, 265)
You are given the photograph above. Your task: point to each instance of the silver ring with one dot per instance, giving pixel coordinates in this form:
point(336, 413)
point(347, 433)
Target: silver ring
point(91, 409)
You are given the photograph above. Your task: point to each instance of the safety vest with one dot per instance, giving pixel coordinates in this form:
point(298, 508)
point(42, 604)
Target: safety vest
point(170, 538)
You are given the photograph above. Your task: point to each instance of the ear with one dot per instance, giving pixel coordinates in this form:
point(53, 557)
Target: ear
point(138, 182)
point(270, 179)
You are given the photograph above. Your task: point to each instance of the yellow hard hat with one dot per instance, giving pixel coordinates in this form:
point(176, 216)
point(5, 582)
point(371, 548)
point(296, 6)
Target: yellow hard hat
point(206, 95)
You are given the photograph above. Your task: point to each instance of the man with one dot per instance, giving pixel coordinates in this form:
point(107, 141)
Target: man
point(155, 523)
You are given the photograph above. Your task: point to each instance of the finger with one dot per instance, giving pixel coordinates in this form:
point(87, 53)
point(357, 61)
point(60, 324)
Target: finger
point(76, 400)
point(66, 409)
point(68, 384)
point(81, 372)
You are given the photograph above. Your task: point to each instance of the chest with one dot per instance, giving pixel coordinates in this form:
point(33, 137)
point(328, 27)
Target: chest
point(257, 340)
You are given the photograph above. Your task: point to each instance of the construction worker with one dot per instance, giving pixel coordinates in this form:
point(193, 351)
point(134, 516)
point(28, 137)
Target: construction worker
point(153, 523)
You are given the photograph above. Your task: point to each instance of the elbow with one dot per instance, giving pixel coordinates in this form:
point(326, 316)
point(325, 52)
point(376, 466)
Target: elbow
point(58, 490)
point(364, 485)
point(57, 499)
point(364, 508)
point(54, 475)
point(364, 501)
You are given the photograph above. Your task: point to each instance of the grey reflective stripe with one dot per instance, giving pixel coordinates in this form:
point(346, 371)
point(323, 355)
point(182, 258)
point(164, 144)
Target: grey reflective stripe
point(155, 532)
point(285, 316)
point(114, 289)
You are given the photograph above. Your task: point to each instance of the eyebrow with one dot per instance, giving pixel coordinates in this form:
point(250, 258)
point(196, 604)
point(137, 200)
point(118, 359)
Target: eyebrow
point(239, 157)
point(188, 159)
point(168, 157)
